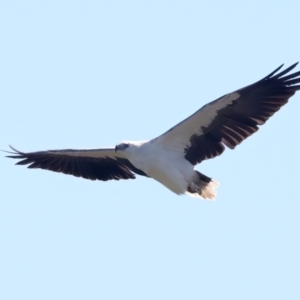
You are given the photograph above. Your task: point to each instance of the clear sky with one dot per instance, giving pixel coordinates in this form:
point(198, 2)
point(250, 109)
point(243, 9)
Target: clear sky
point(82, 74)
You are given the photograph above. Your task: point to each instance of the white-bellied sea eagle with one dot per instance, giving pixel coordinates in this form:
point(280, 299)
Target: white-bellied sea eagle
point(171, 158)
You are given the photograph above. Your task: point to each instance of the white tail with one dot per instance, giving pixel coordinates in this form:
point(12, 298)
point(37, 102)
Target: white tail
point(202, 187)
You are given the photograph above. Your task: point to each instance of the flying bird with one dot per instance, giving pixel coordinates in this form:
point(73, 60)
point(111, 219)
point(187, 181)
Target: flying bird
point(171, 158)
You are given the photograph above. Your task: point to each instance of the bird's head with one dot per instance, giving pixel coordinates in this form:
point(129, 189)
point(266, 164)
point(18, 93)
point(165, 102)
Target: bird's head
point(129, 146)
point(122, 146)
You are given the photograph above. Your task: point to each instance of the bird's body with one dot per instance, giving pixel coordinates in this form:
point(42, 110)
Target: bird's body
point(167, 167)
point(171, 158)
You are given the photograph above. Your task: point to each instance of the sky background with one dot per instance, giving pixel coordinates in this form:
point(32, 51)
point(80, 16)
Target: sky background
point(83, 74)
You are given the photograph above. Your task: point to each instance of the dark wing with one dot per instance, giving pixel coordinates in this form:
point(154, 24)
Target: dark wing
point(232, 118)
point(102, 164)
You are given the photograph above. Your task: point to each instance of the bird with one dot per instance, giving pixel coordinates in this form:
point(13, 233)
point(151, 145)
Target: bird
point(171, 157)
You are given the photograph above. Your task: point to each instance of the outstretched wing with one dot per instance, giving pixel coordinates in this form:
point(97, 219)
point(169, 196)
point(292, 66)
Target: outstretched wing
point(102, 164)
point(232, 118)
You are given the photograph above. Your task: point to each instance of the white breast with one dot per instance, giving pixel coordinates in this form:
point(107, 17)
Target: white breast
point(170, 168)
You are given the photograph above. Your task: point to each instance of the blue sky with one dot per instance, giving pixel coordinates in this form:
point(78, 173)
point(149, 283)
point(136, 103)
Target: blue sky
point(81, 74)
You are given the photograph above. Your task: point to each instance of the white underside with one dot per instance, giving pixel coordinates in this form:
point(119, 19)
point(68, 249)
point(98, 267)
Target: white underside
point(169, 168)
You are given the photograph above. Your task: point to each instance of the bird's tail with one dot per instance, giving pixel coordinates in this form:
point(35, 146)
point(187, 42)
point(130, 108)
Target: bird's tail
point(202, 187)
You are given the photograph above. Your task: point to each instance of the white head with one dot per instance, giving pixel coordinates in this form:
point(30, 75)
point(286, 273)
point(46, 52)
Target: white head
point(129, 145)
